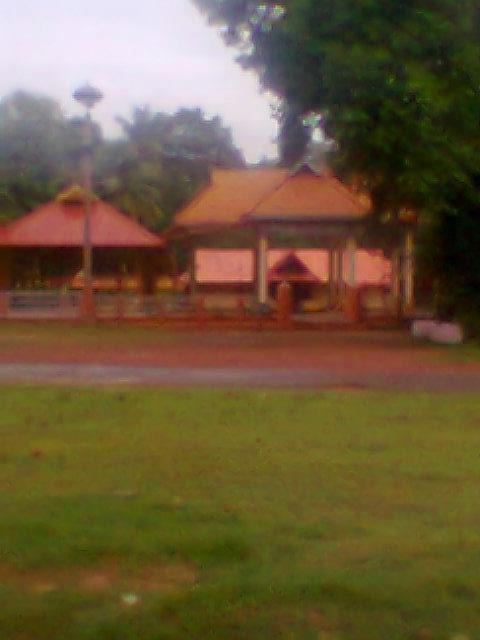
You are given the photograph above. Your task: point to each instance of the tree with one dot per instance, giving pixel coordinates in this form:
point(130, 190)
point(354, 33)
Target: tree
point(152, 169)
point(34, 160)
point(162, 161)
point(397, 84)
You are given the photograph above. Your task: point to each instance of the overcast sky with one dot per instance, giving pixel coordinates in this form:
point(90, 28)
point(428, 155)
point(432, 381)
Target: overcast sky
point(156, 52)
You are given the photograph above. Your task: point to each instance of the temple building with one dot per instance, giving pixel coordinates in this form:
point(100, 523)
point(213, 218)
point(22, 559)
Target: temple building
point(268, 209)
point(43, 249)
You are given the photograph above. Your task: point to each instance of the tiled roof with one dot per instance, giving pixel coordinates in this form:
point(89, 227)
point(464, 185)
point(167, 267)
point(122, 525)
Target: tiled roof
point(248, 195)
point(308, 196)
point(61, 224)
point(230, 195)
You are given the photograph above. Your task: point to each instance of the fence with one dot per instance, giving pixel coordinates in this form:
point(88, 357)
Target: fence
point(67, 305)
point(51, 304)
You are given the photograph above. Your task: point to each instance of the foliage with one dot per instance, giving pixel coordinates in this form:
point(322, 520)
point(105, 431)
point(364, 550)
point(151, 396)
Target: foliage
point(346, 526)
point(162, 161)
point(452, 239)
point(153, 168)
point(34, 151)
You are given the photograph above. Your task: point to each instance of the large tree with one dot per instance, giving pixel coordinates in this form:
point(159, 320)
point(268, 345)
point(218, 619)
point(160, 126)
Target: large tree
point(397, 83)
point(35, 151)
point(162, 160)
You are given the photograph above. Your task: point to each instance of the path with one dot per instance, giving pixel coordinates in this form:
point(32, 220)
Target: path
point(84, 374)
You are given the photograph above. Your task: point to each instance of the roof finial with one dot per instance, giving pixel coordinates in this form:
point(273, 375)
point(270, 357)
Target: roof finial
point(318, 147)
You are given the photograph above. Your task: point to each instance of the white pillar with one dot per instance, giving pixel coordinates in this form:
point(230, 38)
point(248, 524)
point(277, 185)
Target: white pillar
point(193, 269)
point(262, 268)
point(409, 272)
point(351, 254)
point(332, 277)
point(396, 286)
point(339, 277)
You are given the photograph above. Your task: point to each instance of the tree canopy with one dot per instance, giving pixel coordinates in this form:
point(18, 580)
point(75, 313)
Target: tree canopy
point(34, 151)
point(153, 168)
point(396, 82)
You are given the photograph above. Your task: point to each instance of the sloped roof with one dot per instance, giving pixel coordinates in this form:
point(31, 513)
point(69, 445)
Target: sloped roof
point(309, 196)
point(315, 260)
point(293, 268)
point(250, 195)
point(230, 196)
point(60, 223)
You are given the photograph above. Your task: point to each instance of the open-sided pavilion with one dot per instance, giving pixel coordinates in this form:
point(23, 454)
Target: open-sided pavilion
point(259, 205)
point(41, 260)
point(43, 249)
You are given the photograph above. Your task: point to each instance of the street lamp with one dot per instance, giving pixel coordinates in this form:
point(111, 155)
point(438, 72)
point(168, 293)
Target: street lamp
point(87, 96)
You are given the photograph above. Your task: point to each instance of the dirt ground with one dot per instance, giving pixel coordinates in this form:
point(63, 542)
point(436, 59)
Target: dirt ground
point(378, 351)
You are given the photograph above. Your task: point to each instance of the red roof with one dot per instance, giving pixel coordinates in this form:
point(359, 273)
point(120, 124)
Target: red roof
point(61, 224)
point(250, 195)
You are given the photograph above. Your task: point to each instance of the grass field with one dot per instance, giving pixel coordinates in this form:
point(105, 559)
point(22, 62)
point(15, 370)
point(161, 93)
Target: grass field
point(160, 515)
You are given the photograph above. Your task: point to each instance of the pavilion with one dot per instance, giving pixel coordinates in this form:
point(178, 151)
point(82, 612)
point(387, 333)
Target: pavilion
point(43, 249)
point(258, 205)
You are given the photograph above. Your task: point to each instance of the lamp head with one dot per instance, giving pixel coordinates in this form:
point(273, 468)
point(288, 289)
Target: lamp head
point(88, 96)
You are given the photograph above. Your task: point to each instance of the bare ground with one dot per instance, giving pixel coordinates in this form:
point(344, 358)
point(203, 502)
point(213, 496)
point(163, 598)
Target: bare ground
point(229, 358)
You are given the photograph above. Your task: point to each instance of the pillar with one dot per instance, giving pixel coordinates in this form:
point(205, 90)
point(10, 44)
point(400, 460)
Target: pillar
point(409, 272)
point(332, 278)
point(193, 269)
point(339, 286)
point(262, 268)
point(396, 283)
point(351, 250)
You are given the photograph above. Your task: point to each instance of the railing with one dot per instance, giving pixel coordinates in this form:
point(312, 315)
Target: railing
point(122, 305)
point(17, 304)
point(41, 304)
point(54, 304)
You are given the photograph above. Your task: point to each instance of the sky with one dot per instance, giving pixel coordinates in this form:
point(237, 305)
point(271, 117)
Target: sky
point(160, 53)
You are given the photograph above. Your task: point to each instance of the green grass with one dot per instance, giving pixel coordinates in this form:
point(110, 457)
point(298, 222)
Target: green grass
point(300, 515)
point(464, 354)
point(109, 334)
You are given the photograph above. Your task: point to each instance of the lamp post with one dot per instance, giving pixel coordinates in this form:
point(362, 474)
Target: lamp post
point(87, 96)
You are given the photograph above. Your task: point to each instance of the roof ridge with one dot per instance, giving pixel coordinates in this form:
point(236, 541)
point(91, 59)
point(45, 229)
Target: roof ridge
point(265, 174)
point(269, 195)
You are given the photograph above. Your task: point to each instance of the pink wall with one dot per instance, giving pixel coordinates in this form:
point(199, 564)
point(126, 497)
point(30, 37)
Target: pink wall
point(237, 265)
